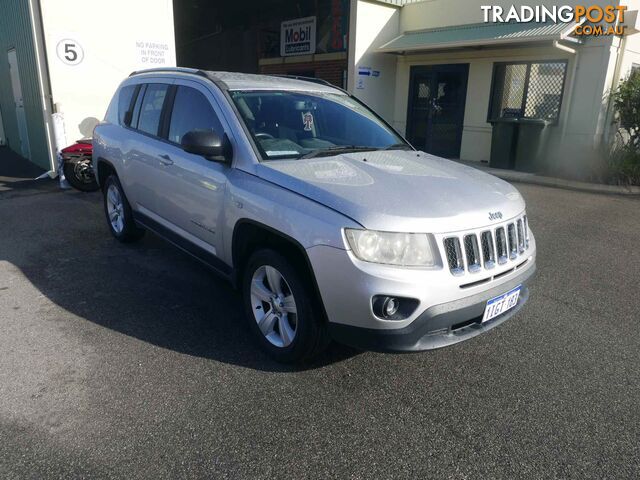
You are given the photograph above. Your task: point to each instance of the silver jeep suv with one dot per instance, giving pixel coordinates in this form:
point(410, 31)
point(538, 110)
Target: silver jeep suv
point(331, 224)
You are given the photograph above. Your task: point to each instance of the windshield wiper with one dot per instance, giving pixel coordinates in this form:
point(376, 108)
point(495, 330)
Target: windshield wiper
point(397, 146)
point(335, 150)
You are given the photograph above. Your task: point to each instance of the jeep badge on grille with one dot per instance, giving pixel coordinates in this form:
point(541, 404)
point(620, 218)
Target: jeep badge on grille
point(495, 215)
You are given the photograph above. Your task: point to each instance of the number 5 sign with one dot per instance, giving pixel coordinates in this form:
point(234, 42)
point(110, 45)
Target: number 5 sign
point(69, 51)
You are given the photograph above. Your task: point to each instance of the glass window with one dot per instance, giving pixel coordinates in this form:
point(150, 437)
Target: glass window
point(151, 108)
point(192, 111)
point(125, 106)
point(528, 90)
point(287, 124)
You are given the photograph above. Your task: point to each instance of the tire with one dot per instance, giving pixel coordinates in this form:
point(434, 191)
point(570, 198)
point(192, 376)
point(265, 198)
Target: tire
point(84, 184)
point(118, 212)
point(310, 335)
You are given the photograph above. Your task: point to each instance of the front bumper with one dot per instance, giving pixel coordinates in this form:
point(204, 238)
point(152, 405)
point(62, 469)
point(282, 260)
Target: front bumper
point(450, 308)
point(438, 326)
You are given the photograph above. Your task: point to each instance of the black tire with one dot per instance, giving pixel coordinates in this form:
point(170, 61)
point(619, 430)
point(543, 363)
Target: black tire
point(69, 169)
point(311, 333)
point(130, 231)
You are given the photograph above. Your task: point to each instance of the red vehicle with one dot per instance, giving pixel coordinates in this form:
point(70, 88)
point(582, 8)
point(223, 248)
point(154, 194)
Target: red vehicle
point(77, 166)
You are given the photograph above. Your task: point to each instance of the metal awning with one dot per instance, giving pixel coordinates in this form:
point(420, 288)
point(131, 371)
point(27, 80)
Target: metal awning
point(479, 35)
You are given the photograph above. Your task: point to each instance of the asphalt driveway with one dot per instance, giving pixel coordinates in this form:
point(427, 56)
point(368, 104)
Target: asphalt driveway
point(133, 362)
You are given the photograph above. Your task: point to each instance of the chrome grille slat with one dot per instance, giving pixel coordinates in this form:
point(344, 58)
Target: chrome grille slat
point(520, 231)
point(454, 255)
point(476, 251)
point(472, 252)
point(501, 245)
point(488, 250)
point(512, 241)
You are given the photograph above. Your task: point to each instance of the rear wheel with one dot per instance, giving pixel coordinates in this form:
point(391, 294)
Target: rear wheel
point(280, 309)
point(118, 212)
point(80, 175)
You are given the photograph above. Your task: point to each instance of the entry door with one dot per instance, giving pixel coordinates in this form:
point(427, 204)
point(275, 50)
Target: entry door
point(21, 117)
point(435, 113)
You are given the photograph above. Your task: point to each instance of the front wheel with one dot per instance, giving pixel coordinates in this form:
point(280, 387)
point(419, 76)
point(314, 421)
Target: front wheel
point(280, 309)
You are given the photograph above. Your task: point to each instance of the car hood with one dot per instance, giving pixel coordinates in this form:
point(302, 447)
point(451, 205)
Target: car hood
point(399, 190)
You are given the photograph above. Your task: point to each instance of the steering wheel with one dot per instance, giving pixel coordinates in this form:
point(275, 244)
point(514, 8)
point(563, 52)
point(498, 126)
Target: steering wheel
point(264, 136)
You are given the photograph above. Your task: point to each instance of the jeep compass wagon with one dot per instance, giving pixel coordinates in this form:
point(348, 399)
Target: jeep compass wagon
point(330, 223)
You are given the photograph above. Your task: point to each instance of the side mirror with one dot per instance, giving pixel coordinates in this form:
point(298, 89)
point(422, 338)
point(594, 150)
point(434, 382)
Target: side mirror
point(208, 144)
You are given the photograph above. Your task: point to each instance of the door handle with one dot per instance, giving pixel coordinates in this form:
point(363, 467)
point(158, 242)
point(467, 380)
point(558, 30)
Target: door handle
point(166, 160)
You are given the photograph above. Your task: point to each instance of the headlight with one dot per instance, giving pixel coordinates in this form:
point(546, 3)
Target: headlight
point(404, 249)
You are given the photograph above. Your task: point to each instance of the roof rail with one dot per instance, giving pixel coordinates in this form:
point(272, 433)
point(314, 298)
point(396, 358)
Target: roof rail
point(306, 79)
point(319, 81)
point(193, 71)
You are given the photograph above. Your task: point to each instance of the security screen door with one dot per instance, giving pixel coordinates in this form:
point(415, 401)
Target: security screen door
point(435, 112)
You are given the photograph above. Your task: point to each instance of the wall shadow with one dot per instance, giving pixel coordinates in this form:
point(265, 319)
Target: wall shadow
point(150, 291)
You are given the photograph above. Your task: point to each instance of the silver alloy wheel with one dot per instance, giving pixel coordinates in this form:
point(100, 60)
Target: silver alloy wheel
point(115, 209)
point(274, 307)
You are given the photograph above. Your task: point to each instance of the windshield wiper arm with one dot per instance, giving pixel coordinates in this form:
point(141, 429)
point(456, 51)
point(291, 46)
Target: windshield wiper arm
point(336, 150)
point(397, 146)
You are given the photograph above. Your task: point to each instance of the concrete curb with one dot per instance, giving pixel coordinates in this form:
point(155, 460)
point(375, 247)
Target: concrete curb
point(532, 178)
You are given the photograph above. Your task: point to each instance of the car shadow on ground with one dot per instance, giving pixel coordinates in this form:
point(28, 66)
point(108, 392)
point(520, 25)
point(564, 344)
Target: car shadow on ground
point(150, 291)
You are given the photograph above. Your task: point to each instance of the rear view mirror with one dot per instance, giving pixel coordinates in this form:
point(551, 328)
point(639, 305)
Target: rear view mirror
point(208, 144)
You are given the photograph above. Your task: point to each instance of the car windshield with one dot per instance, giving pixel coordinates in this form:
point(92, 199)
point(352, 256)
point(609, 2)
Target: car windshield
point(286, 124)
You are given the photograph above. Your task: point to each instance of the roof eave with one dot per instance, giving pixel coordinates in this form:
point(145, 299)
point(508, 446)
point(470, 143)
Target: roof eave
point(476, 44)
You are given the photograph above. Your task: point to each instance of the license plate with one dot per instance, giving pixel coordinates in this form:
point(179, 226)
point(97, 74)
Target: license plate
point(498, 305)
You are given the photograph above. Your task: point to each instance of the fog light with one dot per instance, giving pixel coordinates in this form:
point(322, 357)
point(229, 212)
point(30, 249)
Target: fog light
point(390, 307)
point(393, 308)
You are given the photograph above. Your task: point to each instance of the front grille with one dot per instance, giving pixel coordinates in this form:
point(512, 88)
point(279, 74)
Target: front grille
point(473, 252)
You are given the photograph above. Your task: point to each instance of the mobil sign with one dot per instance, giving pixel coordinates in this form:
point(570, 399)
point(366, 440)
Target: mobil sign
point(298, 37)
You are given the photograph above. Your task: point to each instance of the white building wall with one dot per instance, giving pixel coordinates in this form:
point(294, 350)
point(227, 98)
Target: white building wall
point(630, 53)
point(585, 107)
point(375, 24)
point(114, 36)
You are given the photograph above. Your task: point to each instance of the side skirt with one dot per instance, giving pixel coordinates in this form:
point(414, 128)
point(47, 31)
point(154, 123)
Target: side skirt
point(207, 258)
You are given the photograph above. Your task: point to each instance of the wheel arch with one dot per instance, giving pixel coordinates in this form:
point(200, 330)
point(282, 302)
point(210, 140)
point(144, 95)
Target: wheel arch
point(103, 170)
point(250, 235)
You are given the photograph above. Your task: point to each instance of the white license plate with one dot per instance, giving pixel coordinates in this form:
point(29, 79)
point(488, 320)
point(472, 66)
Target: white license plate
point(498, 305)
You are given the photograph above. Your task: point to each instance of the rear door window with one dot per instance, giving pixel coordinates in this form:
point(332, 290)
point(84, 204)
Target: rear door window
point(192, 111)
point(151, 108)
point(125, 104)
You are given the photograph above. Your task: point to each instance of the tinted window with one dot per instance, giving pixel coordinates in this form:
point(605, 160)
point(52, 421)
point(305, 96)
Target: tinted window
point(191, 111)
point(138, 104)
point(151, 109)
point(124, 104)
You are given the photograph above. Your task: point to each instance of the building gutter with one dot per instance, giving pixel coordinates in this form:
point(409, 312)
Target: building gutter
point(43, 80)
point(609, 120)
point(574, 72)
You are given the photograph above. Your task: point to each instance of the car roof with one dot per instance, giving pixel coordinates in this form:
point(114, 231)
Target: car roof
point(250, 81)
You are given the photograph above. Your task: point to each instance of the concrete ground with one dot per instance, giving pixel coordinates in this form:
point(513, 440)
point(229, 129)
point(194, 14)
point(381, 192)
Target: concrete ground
point(133, 362)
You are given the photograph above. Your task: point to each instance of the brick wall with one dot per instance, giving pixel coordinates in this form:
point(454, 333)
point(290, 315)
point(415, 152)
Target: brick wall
point(329, 70)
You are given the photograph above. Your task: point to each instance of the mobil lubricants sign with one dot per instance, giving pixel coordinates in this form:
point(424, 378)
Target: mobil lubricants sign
point(298, 37)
